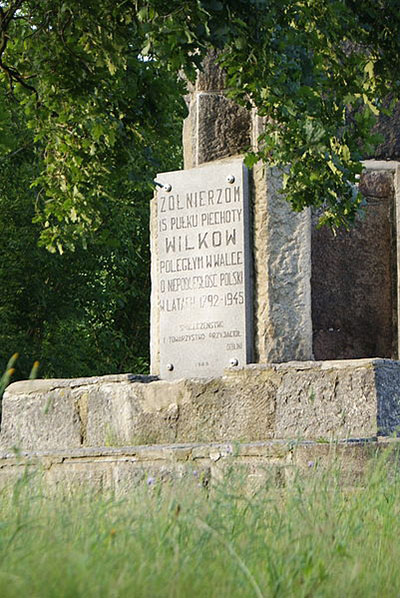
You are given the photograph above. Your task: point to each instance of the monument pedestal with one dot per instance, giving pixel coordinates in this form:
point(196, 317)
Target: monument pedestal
point(260, 423)
point(320, 401)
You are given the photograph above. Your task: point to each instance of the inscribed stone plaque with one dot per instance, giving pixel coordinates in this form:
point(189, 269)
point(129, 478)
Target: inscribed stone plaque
point(203, 270)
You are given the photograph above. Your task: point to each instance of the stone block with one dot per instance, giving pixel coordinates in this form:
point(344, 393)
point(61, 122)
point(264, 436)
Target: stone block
point(41, 417)
point(47, 414)
point(132, 414)
point(181, 411)
point(215, 128)
point(282, 272)
point(354, 295)
point(211, 77)
point(377, 183)
point(332, 400)
point(223, 127)
point(299, 400)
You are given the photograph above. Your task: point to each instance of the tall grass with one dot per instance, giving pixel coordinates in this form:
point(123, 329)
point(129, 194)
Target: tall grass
point(315, 538)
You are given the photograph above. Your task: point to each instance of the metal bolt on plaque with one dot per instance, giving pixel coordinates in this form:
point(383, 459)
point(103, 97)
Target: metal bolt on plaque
point(233, 362)
point(167, 186)
point(169, 367)
point(230, 178)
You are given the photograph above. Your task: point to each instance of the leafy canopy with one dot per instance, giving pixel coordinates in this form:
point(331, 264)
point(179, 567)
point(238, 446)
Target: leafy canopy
point(91, 77)
point(100, 118)
point(80, 313)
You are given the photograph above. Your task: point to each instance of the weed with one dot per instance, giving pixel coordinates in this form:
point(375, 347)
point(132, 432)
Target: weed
point(314, 538)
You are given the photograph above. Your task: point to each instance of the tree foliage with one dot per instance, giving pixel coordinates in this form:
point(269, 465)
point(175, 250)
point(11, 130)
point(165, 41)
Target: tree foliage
point(317, 70)
point(101, 117)
point(91, 79)
point(81, 312)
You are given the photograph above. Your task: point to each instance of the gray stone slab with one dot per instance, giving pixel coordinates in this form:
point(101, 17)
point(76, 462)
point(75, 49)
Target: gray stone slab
point(202, 272)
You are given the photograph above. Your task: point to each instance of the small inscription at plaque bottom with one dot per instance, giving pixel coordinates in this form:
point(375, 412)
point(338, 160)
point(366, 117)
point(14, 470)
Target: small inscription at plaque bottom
point(203, 270)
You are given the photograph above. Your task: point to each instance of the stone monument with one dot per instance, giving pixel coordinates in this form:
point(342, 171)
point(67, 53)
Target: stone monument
point(307, 293)
point(245, 294)
point(275, 316)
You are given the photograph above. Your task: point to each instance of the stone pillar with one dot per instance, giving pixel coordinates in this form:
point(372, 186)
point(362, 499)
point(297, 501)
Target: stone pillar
point(282, 268)
point(216, 127)
point(282, 272)
point(354, 275)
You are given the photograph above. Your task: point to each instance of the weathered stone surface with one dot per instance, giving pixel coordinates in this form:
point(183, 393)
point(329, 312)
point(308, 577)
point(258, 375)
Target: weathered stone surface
point(282, 270)
point(126, 417)
point(215, 128)
point(46, 419)
point(353, 279)
point(205, 466)
point(389, 128)
point(300, 400)
point(282, 267)
point(52, 413)
point(211, 77)
point(223, 127)
point(183, 411)
point(377, 183)
point(334, 400)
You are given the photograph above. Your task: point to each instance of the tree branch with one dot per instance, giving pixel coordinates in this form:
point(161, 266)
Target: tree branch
point(6, 18)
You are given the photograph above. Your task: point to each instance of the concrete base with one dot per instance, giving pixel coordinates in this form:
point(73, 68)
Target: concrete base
point(327, 401)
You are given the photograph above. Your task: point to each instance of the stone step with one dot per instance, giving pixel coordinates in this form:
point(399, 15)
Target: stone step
point(252, 464)
point(328, 400)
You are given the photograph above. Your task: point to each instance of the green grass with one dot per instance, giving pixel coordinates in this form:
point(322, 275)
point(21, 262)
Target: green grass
point(315, 538)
